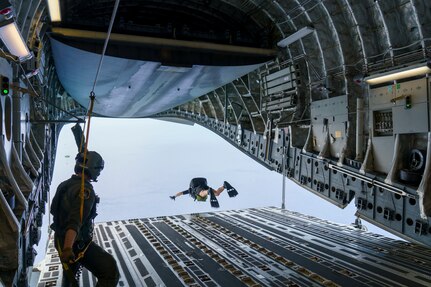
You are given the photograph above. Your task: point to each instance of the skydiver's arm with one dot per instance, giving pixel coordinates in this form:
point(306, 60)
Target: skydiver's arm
point(66, 253)
point(79, 137)
point(179, 194)
point(69, 238)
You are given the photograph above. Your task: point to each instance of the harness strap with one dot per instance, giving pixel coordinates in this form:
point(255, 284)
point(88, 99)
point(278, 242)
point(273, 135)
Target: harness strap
point(82, 253)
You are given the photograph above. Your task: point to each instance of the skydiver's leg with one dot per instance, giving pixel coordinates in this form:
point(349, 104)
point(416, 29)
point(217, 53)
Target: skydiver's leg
point(218, 190)
point(65, 280)
point(102, 265)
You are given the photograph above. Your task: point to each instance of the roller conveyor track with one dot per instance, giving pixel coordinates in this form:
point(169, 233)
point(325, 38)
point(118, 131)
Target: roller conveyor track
point(336, 257)
point(275, 272)
point(361, 241)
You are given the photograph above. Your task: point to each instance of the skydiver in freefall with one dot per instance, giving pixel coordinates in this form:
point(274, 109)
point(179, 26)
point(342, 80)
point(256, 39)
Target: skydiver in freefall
point(199, 190)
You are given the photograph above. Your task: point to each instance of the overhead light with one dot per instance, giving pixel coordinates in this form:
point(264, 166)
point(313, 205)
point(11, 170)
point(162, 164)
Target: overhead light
point(6, 12)
point(301, 33)
point(13, 40)
point(408, 72)
point(54, 10)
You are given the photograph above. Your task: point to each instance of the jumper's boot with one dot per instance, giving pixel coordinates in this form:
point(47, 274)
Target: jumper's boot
point(213, 199)
point(230, 190)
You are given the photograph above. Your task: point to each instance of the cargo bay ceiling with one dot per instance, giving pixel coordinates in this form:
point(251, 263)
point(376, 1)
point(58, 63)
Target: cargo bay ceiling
point(223, 40)
point(161, 54)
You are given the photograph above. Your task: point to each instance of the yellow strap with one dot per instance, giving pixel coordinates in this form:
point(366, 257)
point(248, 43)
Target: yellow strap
point(81, 254)
point(81, 193)
point(66, 267)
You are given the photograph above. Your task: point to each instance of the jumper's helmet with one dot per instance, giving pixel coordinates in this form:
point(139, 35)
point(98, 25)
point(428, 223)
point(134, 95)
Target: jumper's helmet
point(93, 164)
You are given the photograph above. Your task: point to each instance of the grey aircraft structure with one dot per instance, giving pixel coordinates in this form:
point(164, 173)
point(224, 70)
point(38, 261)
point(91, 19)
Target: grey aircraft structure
point(333, 94)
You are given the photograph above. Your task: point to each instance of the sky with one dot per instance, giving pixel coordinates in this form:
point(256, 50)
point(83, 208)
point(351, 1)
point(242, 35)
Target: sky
point(147, 160)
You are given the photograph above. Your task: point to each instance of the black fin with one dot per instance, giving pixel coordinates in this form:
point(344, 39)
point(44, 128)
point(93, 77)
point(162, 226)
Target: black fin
point(231, 191)
point(213, 199)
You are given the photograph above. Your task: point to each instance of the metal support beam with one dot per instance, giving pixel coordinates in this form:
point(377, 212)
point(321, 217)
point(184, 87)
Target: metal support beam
point(56, 121)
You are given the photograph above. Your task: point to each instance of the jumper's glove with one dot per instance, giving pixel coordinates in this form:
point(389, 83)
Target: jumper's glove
point(67, 255)
point(230, 190)
point(172, 197)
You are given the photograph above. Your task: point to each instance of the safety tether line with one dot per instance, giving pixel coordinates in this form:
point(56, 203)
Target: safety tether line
point(117, 2)
point(90, 110)
point(81, 193)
